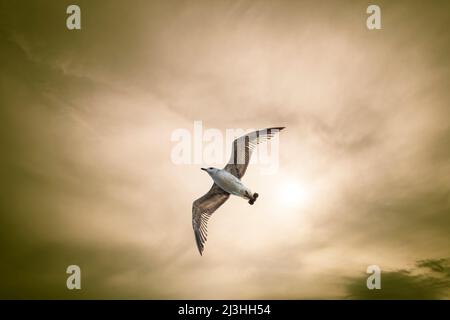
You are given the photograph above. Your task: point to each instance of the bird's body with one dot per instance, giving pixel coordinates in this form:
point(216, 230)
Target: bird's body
point(227, 181)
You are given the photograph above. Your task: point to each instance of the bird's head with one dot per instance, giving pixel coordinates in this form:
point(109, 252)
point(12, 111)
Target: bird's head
point(210, 170)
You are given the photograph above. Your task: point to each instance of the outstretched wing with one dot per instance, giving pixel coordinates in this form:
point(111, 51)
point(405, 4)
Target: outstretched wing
point(202, 209)
point(243, 148)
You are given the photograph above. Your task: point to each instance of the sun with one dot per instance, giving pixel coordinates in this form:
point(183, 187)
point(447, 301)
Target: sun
point(293, 194)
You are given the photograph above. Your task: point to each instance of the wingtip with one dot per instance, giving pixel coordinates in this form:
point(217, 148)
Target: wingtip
point(277, 128)
point(198, 242)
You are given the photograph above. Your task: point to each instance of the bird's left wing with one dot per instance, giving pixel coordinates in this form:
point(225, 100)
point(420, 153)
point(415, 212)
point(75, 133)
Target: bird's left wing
point(202, 209)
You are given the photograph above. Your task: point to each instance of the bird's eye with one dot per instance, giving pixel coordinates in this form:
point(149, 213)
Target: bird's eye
point(210, 168)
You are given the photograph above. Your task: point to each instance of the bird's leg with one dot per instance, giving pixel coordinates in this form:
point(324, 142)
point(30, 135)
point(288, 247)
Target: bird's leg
point(253, 198)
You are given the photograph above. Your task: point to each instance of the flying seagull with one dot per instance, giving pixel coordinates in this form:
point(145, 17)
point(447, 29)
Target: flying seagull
point(227, 181)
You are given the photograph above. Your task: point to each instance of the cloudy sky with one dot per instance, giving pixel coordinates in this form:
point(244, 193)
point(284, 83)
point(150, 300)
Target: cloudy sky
point(87, 176)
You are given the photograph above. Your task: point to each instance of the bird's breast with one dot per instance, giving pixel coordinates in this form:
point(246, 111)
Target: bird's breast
point(228, 182)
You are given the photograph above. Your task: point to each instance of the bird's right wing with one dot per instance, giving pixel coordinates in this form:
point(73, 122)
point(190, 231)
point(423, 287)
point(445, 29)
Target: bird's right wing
point(202, 209)
point(243, 148)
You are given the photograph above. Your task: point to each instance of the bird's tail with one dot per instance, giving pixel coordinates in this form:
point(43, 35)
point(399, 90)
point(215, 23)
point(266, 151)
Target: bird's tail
point(253, 199)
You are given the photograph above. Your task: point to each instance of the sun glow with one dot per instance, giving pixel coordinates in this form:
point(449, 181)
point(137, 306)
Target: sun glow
point(293, 194)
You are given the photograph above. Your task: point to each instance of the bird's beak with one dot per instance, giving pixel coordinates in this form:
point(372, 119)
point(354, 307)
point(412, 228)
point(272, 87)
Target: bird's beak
point(204, 169)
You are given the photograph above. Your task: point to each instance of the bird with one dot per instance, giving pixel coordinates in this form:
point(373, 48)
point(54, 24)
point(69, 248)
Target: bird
point(227, 181)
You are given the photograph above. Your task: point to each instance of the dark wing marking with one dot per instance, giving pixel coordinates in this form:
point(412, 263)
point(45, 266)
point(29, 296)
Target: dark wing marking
point(243, 148)
point(202, 209)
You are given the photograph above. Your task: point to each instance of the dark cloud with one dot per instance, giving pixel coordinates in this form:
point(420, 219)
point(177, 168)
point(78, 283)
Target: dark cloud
point(430, 279)
point(436, 265)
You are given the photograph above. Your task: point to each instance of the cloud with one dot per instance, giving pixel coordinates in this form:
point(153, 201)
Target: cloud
point(429, 279)
point(86, 175)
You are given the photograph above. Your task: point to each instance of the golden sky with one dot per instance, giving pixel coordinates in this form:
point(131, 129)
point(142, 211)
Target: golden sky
point(87, 177)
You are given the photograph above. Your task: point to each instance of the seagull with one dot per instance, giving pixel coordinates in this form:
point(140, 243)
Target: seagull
point(227, 181)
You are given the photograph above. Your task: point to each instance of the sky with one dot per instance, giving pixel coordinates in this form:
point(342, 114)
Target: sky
point(87, 177)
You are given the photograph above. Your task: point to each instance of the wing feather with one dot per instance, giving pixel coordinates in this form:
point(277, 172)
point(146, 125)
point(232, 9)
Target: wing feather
point(243, 148)
point(202, 209)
